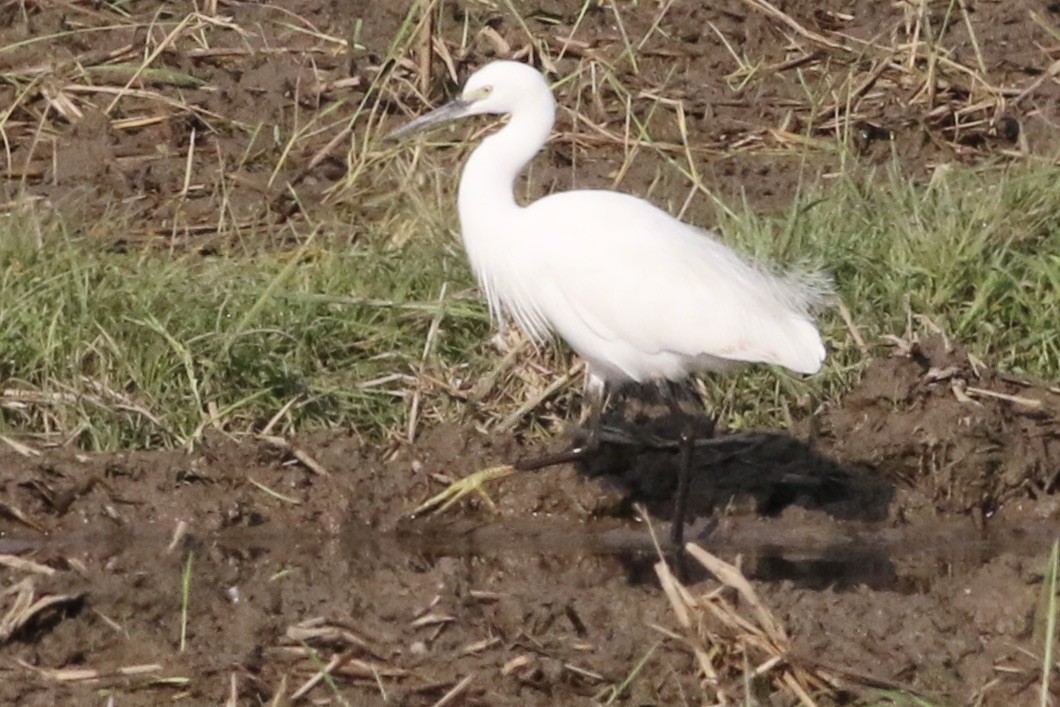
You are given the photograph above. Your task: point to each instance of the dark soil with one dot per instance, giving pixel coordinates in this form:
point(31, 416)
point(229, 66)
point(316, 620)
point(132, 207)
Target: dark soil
point(900, 535)
point(761, 132)
point(905, 544)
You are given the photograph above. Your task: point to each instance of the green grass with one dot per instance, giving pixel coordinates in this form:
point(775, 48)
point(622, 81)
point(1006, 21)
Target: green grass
point(185, 599)
point(976, 252)
point(139, 350)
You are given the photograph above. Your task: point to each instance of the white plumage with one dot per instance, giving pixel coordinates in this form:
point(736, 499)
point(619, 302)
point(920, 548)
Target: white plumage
point(635, 292)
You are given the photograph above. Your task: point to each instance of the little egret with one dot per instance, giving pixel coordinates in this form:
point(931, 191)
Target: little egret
point(638, 294)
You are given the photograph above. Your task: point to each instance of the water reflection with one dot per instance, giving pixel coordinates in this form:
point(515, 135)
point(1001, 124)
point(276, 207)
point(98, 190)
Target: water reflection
point(844, 558)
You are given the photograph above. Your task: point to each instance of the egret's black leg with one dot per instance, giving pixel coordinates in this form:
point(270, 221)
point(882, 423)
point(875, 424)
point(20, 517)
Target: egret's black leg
point(597, 395)
point(684, 475)
point(689, 414)
point(567, 456)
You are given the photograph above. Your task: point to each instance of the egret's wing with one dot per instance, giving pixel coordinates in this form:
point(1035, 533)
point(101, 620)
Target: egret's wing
point(631, 275)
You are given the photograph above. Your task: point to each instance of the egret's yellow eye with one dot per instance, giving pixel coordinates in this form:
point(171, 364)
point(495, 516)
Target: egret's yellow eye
point(479, 93)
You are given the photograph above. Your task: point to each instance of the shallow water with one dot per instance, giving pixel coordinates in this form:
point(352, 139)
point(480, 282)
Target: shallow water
point(840, 557)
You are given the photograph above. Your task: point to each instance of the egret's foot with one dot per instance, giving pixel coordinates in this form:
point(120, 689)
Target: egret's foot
point(458, 489)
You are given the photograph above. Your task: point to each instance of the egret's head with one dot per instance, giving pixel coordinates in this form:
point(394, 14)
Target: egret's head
point(498, 88)
point(501, 86)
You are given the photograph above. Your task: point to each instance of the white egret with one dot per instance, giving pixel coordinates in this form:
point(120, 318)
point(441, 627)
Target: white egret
point(638, 294)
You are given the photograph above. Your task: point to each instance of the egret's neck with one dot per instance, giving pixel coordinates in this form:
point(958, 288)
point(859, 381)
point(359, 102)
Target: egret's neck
point(487, 184)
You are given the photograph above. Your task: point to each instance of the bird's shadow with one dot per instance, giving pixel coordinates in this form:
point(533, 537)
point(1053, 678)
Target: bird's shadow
point(763, 475)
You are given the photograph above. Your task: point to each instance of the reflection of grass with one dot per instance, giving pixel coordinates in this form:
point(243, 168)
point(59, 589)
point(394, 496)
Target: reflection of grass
point(146, 350)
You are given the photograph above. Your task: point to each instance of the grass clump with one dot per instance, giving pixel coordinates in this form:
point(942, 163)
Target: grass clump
point(973, 253)
point(136, 350)
point(120, 350)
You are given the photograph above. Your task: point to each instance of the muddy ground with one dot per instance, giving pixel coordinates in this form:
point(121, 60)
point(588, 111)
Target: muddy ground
point(899, 535)
point(246, 119)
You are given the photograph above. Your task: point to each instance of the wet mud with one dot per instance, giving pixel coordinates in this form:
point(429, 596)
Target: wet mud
point(914, 558)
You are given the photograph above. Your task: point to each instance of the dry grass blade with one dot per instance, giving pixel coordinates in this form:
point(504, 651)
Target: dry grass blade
point(731, 576)
point(22, 607)
point(24, 565)
point(298, 453)
point(348, 666)
point(458, 689)
point(20, 448)
point(1032, 403)
point(233, 691)
point(279, 697)
point(16, 514)
point(320, 629)
point(321, 675)
point(92, 675)
point(769, 9)
point(346, 647)
point(535, 400)
point(736, 643)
